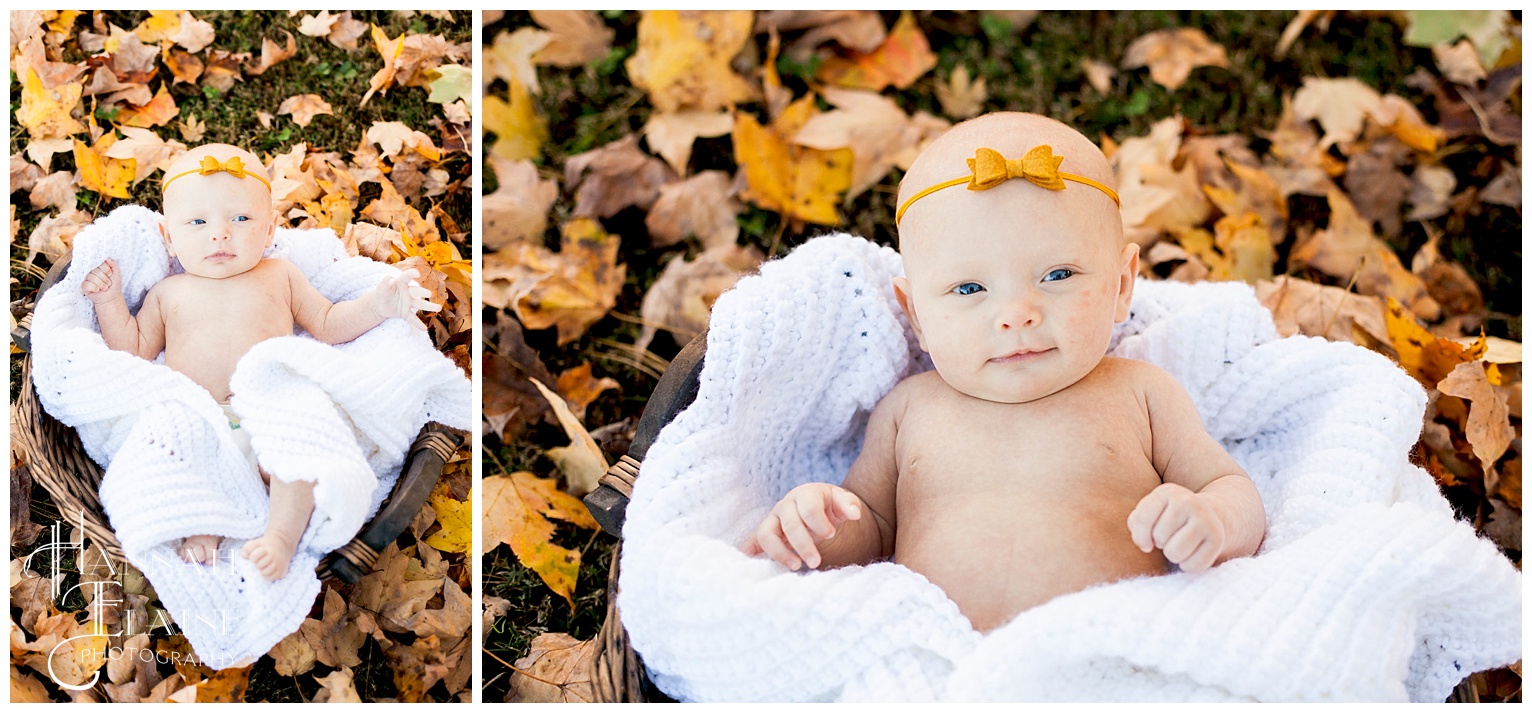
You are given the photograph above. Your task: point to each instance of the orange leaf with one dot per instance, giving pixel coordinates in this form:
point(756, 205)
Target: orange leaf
point(1488, 429)
point(390, 50)
point(272, 53)
point(512, 517)
point(107, 176)
point(799, 182)
point(183, 65)
point(579, 388)
point(902, 58)
point(1425, 356)
point(158, 111)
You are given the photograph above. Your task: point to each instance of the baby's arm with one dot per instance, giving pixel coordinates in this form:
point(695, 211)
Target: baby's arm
point(340, 323)
point(143, 336)
point(825, 526)
point(1206, 510)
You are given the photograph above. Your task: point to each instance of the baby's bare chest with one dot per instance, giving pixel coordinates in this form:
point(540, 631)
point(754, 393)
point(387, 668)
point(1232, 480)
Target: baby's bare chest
point(1091, 446)
point(232, 311)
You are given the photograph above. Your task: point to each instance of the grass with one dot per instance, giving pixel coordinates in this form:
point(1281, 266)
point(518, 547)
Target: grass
point(1037, 68)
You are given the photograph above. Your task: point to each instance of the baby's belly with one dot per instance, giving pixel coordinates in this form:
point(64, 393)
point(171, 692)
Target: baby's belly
point(997, 554)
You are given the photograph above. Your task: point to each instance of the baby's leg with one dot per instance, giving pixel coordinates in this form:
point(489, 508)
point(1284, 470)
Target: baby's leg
point(202, 549)
point(291, 506)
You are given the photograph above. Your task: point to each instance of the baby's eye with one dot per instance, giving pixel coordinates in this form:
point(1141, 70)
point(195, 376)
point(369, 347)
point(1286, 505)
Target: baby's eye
point(198, 221)
point(1059, 274)
point(967, 288)
point(241, 218)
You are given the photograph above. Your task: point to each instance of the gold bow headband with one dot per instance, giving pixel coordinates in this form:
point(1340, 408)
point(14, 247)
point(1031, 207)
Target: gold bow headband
point(989, 169)
point(234, 167)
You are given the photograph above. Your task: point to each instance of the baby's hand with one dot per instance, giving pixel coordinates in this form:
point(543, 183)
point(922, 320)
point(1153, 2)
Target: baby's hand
point(102, 284)
point(399, 296)
point(805, 517)
point(1182, 524)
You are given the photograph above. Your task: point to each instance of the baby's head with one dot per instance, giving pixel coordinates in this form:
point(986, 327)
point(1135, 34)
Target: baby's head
point(218, 218)
point(1013, 290)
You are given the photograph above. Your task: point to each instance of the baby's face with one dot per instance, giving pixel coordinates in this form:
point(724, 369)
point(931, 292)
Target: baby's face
point(1014, 291)
point(217, 225)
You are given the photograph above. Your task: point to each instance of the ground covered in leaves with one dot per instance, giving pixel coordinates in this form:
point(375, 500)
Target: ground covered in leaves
point(362, 120)
point(1360, 170)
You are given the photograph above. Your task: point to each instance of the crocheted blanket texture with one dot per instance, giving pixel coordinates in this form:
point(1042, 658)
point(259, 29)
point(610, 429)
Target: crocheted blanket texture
point(343, 417)
point(1366, 587)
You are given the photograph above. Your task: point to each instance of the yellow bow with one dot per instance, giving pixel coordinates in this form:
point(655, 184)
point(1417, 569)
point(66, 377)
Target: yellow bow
point(234, 166)
point(989, 168)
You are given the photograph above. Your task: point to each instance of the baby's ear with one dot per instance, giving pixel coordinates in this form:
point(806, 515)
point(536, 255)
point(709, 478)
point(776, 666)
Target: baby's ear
point(902, 293)
point(271, 230)
point(1126, 281)
point(165, 238)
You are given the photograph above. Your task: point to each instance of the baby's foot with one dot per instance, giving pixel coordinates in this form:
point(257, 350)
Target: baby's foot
point(201, 549)
point(271, 553)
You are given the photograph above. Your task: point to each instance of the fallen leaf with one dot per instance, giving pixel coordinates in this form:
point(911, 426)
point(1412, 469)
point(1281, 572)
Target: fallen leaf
point(225, 686)
point(1488, 429)
point(304, 107)
point(1347, 249)
point(1172, 54)
point(510, 57)
point(672, 135)
point(223, 69)
point(1311, 309)
point(133, 61)
point(512, 517)
point(518, 209)
point(346, 31)
point(184, 66)
point(613, 177)
point(582, 461)
point(387, 593)
point(702, 206)
point(148, 151)
point(1425, 356)
point(1459, 63)
point(46, 112)
point(960, 96)
point(681, 300)
point(1505, 188)
point(510, 400)
point(875, 129)
point(570, 289)
point(293, 655)
point(494, 608)
point(24, 173)
point(57, 189)
point(557, 669)
point(272, 53)
point(1430, 188)
point(193, 35)
point(417, 667)
point(576, 37)
point(338, 687)
point(41, 151)
point(1339, 105)
point(904, 57)
point(799, 182)
point(158, 111)
point(1488, 29)
point(452, 83)
point(1397, 116)
point(317, 25)
point(684, 59)
point(53, 234)
point(1156, 197)
point(106, 176)
point(1098, 74)
point(579, 388)
point(1375, 184)
point(335, 638)
point(26, 688)
point(389, 49)
point(519, 130)
point(456, 518)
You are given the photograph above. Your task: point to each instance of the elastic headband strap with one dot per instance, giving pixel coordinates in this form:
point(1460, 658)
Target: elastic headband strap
point(234, 166)
point(988, 168)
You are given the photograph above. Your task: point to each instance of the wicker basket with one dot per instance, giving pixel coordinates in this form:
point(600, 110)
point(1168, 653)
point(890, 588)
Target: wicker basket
point(57, 460)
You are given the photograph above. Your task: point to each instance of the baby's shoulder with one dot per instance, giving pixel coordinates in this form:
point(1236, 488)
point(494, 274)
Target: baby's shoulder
point(1137, 373)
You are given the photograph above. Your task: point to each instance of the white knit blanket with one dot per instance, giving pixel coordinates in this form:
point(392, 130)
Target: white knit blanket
point(1366, 588)
point(341, 416)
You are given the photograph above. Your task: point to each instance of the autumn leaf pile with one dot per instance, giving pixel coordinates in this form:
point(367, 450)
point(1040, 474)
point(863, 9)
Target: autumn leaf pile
point(362, 120)
point(1360, 170)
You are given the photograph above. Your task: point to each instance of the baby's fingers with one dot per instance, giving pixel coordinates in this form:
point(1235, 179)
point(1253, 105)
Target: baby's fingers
point(1141, 520)
point(425, 306)
point(802, 542)
point(771, 541)
point(845, 506)
point(1182, 544)
point(816, 519)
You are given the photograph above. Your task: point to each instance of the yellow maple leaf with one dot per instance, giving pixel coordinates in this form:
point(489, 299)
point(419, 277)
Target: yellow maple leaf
point(516, 512)
point(519, 131)
point(45, 112)
point(799, 182)
point(456, 518)
point(684, 58)
point(390, 49)
point(1425, 356)
point(107, 176)
point(161, 24)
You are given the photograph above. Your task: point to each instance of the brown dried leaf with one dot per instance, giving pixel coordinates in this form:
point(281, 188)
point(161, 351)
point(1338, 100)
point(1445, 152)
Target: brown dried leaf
point(557, 669)
point(681, 300)
point(570, 289)
point(304, 107)
point(1375, 184)
point(1348, 247)
point(57, 189)
point(672, 135)
point(389, 595)
point(856, 30)
point(1340, 106)
point(26, 688)
point(346, 31)
point(582, 462)
point(1172, 54)
point(272, 53)
point(1488, 429)
point(194, 35)
point(576, 37)
point(317, 25)
point(293, 655)
point(339, 687)
point(333, 640)
point(1430, 189)
point(1099, 74)
point(518, 209)
point(614, 177)
point(579, 388)
point(1303, 307)
point(1446, 281)
point(225, 686)
point(133, 61)
point(702, 206)
point(960, 96)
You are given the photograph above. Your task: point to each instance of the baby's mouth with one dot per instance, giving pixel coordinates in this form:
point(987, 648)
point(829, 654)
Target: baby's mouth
point(1020, 355)
point(220, 257)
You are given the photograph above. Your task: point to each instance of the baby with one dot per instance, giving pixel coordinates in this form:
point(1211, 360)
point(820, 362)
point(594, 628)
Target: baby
point(218, 220)
point(1029, 464)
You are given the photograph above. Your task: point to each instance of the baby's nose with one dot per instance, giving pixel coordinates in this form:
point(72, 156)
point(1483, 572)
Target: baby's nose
point(1018, 312)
